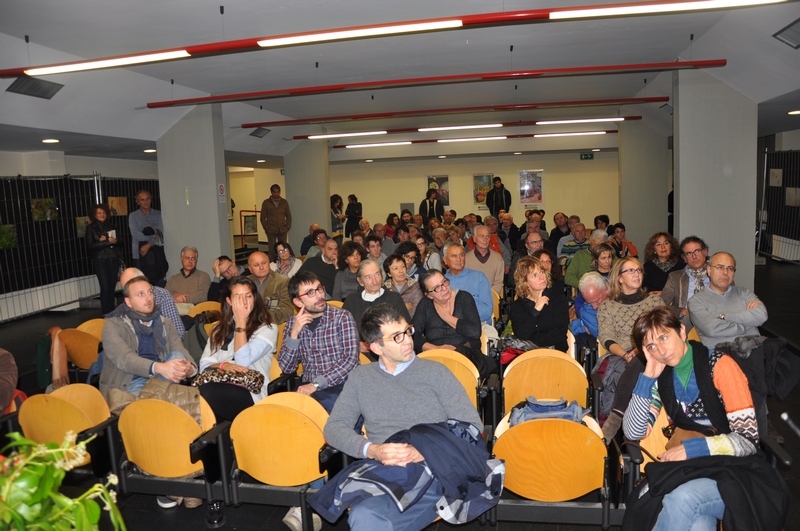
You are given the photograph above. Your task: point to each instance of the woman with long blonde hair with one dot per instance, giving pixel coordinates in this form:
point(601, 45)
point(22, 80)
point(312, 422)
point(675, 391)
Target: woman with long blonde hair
point(540, 313)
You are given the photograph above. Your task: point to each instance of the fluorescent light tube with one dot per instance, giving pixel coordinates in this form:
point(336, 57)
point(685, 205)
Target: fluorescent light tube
point(359, 33)
point(580, 121)
point(107, 63)
point(649, 9)
point(383, 144)
point(457, 127)
point(543, 135)
point(475, 139)
point(342, 135)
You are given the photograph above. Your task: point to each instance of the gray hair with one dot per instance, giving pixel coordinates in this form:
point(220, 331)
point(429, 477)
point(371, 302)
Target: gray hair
point(599, 234)
point(592, 279)
point(448, 244)
point(477, 226)
point(190, 248)
point(438, 230)
point(366, 262)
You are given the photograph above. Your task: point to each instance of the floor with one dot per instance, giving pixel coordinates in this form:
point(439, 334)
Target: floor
point(777, 284)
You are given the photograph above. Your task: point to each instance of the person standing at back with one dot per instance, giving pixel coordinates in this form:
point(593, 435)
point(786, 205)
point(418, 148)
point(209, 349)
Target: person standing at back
point(276, 218)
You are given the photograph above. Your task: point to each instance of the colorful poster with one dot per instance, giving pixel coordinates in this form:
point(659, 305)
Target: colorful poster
point(8, 236)
point(118, 206)
point(481, 184)
point(530, 188)
point(80, 225)
point(44, 209)
point(440, 183)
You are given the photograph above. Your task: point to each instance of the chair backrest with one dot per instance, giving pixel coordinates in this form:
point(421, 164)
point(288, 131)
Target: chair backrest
point(656, 441)
point(278, 444)
point(86, 398)
point(546, 374)
point(279, 341)
point(336, 304)
point(81, 347)
point(484, 342)
point(48, 418)
point(571, 344)
point(208, 327)
point(204, 307)
point(495, 305)
point(693, 335)
point(157, 435)
point(94, 327)
point(363, 359)
point(462, 368)
point(565, 462)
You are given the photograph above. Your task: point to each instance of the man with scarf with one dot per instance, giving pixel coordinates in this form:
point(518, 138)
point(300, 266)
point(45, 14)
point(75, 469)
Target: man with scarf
point(682, 285)
point(498, 198)
point(140, 344)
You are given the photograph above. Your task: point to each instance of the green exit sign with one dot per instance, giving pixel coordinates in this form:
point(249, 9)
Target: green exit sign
point(587, 156)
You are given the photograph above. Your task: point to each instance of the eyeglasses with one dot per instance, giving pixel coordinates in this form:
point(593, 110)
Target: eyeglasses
point(319, 290)
point(692, 254)
point(400, 336)
point(661, 244)
point(410, 256)
point(281, 251)
point(230, 269)
point(721, 268)
point(438, 289)
point(321, 237)
point(632, 271)
point(422, 244)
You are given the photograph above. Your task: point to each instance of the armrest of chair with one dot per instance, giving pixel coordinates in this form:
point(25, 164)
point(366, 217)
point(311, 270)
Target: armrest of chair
point(105, 448)
point(332, 460)
point(775, 452)
point(214, 449)
point(596, 387)
point(283, 383)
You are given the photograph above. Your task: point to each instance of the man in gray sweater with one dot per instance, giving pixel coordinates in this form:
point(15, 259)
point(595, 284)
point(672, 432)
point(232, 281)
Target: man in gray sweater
point(724, 312)
point(394, 394)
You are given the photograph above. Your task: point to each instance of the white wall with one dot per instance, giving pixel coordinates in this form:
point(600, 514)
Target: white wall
point(788, 140)
point(121, 168)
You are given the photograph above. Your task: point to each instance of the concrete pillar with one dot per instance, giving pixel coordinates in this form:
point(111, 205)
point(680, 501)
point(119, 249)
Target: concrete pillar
point(307, 189)
point(191, 169)
point(643, 169)
point(715, 167)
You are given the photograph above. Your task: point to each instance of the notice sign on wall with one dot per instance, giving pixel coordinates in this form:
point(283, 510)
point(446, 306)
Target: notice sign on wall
point(221, 192)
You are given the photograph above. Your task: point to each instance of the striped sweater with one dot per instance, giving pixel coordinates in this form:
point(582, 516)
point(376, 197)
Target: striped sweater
point(733, 390)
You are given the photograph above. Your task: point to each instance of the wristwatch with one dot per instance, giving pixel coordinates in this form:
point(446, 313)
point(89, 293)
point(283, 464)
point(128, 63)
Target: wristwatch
point(315, 384)
point(239, 329)
point(722, 316)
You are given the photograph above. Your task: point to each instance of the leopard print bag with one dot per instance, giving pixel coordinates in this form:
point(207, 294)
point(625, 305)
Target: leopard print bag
point(250, 380)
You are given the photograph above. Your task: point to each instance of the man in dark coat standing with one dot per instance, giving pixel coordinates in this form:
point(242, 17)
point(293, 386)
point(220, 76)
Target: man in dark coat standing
point(498, 198)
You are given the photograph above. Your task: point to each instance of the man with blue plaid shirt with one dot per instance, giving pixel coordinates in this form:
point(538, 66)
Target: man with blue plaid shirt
point(321, 337)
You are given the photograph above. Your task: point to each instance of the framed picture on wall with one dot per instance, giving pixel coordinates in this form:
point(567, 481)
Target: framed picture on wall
point(530, 188)
point(440, 183)
point(481, 184)
point(250, 226)
point(44, 209)
point(118, 206)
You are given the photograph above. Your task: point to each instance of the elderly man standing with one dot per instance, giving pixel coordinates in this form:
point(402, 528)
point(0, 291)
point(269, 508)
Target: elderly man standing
point(682, 285)
point(723, 312)
point(272, 286)
point(471, 281)
point(146, 219)
point(276, 218)
point(485, 260)
point(189, 284)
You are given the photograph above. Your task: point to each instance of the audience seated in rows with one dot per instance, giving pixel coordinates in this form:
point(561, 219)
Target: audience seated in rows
point(398, 280)
point(272, 287)
point(350, 257)
point(582, 261)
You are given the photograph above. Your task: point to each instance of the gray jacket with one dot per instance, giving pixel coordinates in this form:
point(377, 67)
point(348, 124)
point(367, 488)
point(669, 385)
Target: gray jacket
point(121, 353)
point(676, 294)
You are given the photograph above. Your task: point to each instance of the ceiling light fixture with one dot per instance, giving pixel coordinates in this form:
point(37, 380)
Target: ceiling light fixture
point(369, 160)
point(149, 150)
point(111, 62)
point(343, 135)
point(518, 153)
point(51, 141)
point(794, 112)
point(458, 127)
point(380, 144)
point(581, 121)
point(471, 139)
point(360, 33)
point(442, 156)
point(261, 160)
point(655, 8)
point(585, 133)
point(595, 149)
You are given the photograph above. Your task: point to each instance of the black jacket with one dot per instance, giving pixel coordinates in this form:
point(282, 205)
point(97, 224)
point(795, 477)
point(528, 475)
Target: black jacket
point(498, 199)
point(99, 250)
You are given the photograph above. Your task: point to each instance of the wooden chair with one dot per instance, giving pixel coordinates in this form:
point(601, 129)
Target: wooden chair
point(495, 305)
point(336, 304)
point(693, 335)
point(86, 398)
point(204, 307)
point(81, 347)
point(568, 461)
point(571, 345)
point(48, 418)
point(208, 327)
point(93, 327)
point(463, 369)
point(546, 374)
point(363, 359)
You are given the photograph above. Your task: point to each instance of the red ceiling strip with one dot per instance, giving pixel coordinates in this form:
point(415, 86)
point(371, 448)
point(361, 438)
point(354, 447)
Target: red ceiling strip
point(457, 110)
point(441, 80)
point(507, 124)
point(433, 140)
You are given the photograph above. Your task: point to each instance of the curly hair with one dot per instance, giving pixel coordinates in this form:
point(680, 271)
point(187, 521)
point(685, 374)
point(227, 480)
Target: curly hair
point(99, 206)
point(650, 248)
point(525, 266)
point(348, 248)
point(556, 271)
point(408, 247)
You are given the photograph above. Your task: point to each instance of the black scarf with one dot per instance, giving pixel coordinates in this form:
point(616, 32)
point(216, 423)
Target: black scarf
point(156, 329)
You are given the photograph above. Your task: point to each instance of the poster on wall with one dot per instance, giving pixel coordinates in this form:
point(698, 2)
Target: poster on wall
point(481, 184)
point(80, 225)
point(440, 183)
point(250, 225)
point(118, 206)
point(8, 236)
point(530, 188)
point(44, 209)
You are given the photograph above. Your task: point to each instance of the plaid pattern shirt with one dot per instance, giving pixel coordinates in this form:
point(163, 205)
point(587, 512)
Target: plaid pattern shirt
point(166, 303)
point(328, 353)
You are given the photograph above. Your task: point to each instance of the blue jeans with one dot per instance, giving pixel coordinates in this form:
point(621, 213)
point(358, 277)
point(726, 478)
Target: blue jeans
point(380, 513)
point(138, 382)
point(694, 506)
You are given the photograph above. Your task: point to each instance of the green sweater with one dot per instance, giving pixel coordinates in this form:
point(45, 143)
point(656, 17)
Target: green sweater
point(425, 392)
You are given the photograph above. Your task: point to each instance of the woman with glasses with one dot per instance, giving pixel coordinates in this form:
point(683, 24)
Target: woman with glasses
point(662, 256)
point(285, 261)
point(411, 254)
point(550, 262)
point(540, 313)
point(398, 281)
point(429, 258)
point(243, 339)
point(449, 319)
point(350, 256)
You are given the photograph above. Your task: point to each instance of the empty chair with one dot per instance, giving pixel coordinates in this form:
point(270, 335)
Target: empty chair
point(93, 327)
point(86, 398)
point(546, 374)
point(204, 307)
point(48, 418)
point(81, 347)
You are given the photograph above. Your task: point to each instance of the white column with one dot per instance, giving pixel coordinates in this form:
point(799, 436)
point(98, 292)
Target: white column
point(715, 167)
point(191, 168)
point(307, 188)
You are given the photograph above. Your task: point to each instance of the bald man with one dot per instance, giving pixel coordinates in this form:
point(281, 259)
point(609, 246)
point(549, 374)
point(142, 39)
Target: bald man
point(272, 286)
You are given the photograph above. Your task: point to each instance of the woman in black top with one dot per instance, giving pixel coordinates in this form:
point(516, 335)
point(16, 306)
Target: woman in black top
point(353, 215)
point(662, 256)
point(101, 242)
point(540, 313)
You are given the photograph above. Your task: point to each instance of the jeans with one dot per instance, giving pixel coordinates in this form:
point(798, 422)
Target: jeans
point(694, 506)
point(106, 270)
point(138, 382)
point(380, 513)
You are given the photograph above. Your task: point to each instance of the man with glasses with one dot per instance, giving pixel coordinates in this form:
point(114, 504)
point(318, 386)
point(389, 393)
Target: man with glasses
point(272, 286)
point(723, 312)
point(319, 236)
point(324, 264)
point(189, 284)
point(224, 269)
point(684, 284)
point(321, 337)
point(397, 393)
